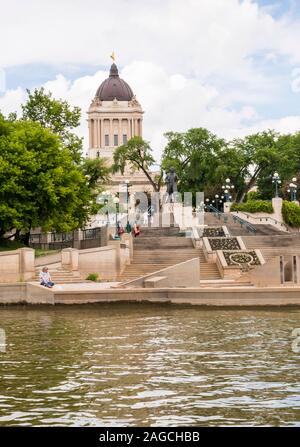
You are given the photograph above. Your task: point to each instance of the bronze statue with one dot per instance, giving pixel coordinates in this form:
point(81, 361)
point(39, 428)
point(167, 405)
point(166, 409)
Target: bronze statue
point(171, 181)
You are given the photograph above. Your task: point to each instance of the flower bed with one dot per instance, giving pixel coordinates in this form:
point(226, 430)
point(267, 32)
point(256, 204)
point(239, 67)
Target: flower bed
point(226, 243)
point(213, 232)
point(241, 258)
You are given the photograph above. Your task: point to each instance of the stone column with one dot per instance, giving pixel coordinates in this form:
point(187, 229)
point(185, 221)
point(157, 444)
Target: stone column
point(70, 258)
point(99, 134)
point(102, 132)
point(95, 134)
point(90, 133)
point(27, 266)
point(120, 132)
point(141, 127)
point(277, 206)
point(111, 137)
point(128, 129)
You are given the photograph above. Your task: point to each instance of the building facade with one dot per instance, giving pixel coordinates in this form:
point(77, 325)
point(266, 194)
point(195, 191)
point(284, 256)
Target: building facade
point(114, 117)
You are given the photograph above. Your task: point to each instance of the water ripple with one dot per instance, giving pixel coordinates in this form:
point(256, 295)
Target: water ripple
point(154, 365)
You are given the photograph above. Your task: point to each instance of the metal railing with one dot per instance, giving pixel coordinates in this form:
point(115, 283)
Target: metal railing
point(244, 223)
point(264, 219)
point(218, 213)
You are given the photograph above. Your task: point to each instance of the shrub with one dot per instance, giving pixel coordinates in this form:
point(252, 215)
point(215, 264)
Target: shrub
point(291, 214)
point(253, 206)
point(6, 245)
point(253, 195)
point(93, 277)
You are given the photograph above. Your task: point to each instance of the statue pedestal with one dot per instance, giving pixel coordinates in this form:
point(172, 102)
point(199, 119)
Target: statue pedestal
point(227, 206)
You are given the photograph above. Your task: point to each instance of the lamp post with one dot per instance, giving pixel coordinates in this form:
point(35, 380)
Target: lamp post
point(206, 204)
point(217, 201)
point(106, 212)
point(293, 189)
point(116, 201)
point(106, 194)
point(276, 180)
point(226, 189)
point(127, 185)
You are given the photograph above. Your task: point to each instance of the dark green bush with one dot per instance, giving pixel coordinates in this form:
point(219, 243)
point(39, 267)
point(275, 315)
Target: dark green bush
point(253, 195)
point(291, 214)
point(93, 277)
point(253, 206)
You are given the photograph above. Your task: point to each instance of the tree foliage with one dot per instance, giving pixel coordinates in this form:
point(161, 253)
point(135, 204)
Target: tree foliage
point(291, 214)
point(201, 159)
point(41, 184)
point(137, 155)
point(55, 115)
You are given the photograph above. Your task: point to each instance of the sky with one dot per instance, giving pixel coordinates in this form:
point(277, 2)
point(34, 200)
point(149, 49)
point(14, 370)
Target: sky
point(228, 65)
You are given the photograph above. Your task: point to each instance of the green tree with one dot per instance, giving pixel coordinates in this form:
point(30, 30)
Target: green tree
point(56, 115)
point(40, 183)
point(259, 156)
point(202, 161)
point(137, 154)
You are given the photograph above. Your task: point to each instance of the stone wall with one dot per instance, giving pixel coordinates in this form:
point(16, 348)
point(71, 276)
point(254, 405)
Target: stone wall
point(184, 274)
point(16, 265)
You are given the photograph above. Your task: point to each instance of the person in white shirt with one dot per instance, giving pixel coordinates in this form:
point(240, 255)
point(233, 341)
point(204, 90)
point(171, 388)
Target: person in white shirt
point(45, 278)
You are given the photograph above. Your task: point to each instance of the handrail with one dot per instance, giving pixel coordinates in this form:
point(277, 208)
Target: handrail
point(219, 213)
point(266, 218)
point(244, 222)
point(248, 225)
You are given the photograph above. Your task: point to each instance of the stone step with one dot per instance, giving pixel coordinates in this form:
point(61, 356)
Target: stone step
point(236, 229)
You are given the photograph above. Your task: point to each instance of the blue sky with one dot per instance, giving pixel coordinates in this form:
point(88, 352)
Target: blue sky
point(229, 65)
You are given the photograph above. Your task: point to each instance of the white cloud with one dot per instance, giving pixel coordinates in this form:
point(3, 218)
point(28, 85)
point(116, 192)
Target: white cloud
point(189, 62)
point(191, 36)
point(171, 102)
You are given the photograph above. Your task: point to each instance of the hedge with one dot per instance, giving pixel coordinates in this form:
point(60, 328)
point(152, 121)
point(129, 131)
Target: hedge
point(253, 206)
point(253, 195)
point(291, 214)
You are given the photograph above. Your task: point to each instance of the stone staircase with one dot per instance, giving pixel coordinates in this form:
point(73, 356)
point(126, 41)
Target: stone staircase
point(275, 245)
point(158, 248)
point(59, 275)
point(236, 229)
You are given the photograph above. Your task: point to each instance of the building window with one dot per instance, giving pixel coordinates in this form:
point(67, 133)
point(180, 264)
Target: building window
point(106, 140)
point(116, 140)
point(124, 138)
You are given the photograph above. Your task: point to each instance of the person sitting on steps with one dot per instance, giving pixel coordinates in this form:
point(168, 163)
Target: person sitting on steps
point(45, 278)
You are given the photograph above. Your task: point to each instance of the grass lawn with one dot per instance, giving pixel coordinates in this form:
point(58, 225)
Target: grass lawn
point(6, 245)
point(39, 252)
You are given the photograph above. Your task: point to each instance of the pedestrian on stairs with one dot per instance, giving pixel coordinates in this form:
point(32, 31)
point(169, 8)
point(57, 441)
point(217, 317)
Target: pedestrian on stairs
point(136, 230)
point(45, 278)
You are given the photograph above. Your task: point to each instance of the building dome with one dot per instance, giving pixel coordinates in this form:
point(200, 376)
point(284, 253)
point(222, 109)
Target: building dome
point(114, 87)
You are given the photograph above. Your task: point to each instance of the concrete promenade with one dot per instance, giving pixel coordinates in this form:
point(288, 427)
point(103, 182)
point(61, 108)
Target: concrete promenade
point(33, 293)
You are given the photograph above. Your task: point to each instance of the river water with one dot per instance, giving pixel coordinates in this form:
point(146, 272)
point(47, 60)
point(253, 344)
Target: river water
point(148, 365)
